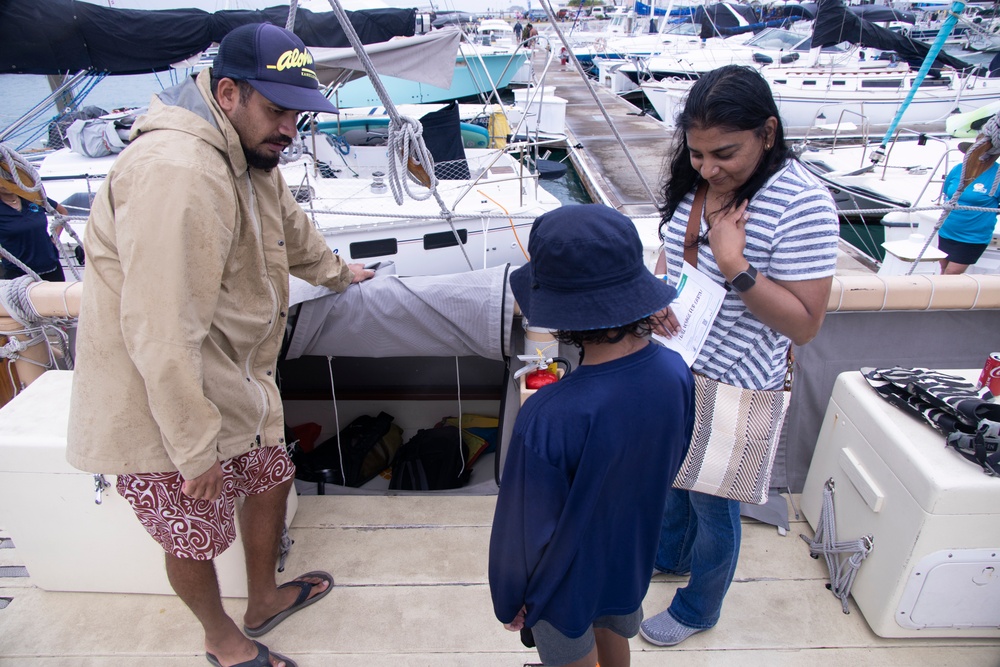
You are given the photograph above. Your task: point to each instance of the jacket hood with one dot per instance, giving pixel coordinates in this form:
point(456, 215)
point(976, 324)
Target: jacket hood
point(191, 108)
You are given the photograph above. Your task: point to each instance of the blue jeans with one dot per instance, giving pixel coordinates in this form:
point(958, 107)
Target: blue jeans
point(701, 535)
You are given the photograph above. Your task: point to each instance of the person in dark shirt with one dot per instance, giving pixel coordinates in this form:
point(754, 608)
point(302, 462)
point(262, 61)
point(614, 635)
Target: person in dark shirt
point(592, 455)
point(24, 233)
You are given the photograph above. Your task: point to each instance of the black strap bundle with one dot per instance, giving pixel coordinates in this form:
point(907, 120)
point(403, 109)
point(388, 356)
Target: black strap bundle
point(969, 421)
point(432, 460)
point(361, 451)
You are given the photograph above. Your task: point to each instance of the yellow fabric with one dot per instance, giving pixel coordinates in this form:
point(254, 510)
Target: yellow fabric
point(499, 129)
point(474, 442)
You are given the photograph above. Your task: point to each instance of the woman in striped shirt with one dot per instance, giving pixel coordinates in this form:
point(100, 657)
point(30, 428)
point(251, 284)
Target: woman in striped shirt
point(768, 233)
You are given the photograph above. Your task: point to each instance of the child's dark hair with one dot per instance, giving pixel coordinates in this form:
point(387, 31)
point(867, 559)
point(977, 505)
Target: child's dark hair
point(639, 329)
point(735, 98)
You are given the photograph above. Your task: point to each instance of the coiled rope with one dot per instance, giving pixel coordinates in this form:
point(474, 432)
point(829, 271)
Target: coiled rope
point(842, 572)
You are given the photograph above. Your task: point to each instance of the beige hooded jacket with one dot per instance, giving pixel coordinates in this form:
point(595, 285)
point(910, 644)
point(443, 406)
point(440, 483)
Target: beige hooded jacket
point(186, 295)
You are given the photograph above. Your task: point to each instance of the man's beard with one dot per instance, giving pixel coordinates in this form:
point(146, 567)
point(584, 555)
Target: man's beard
point(265, 161)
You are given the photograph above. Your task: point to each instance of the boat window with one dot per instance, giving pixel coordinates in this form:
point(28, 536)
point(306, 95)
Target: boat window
point(934, 83)
point(809, 82)
point(303, 193)
point(376, 248)
point(444, 239)
point(883, 83)
point(775, 39)
point(78, 203)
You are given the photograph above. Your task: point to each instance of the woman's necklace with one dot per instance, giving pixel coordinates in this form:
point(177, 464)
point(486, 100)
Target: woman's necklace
point(11, 200)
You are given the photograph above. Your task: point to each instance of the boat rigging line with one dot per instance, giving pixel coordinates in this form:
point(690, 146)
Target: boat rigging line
point(408, 155)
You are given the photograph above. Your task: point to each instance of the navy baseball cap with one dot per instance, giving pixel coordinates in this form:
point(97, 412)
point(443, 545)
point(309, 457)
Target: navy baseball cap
point(275, 62)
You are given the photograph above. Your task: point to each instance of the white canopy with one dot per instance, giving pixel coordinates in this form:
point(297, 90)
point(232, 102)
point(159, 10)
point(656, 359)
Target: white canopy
point(426, 58)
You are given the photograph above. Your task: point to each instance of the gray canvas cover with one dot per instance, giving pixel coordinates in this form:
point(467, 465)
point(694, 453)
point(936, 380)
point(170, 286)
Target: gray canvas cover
point(461, 314)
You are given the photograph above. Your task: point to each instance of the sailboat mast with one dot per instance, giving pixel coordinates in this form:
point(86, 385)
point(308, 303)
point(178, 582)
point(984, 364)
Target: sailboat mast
point(949, 24)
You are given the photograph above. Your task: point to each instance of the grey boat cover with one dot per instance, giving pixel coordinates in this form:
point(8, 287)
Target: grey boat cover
point(460, 314)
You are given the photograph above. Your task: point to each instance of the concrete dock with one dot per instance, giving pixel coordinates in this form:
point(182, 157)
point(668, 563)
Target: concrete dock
point(598, 157)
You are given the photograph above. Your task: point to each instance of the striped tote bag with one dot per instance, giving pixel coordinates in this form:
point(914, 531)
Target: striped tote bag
point(735, 439)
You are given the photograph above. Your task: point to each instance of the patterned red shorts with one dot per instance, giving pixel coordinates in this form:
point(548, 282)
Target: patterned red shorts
point(202, 529)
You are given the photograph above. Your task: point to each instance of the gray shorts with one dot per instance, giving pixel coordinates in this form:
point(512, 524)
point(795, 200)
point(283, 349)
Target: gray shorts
point(555, 648)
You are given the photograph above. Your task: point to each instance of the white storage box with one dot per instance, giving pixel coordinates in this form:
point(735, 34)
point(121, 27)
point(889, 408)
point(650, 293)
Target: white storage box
point(934, 570)
point(546, 113)
point(66, 540)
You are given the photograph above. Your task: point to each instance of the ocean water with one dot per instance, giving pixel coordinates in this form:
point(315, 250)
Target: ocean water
point(21, 92)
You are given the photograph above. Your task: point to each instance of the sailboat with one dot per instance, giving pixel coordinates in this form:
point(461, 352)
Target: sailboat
point(863, 92)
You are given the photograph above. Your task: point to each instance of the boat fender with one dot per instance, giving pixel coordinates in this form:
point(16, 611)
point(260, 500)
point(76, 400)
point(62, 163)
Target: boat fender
point(762, 59)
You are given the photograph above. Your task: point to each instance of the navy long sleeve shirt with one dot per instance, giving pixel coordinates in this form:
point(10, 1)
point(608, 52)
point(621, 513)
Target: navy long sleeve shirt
point(581, 500)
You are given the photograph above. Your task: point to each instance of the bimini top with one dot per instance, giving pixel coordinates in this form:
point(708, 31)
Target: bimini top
point(63, 36)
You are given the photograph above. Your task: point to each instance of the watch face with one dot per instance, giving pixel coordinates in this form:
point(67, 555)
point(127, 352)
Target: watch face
point(745, 280)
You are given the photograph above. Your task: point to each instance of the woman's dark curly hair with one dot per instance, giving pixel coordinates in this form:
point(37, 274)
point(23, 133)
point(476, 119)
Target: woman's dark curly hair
point(734, 98)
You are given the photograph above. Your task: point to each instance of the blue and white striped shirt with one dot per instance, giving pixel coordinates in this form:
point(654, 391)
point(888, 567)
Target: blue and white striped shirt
point(791, 235)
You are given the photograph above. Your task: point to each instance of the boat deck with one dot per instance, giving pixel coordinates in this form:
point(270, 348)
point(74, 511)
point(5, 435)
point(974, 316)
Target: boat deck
point(411, 589)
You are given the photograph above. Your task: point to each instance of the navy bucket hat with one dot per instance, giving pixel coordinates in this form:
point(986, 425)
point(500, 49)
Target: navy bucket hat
point(275, 62)
point(586, 272)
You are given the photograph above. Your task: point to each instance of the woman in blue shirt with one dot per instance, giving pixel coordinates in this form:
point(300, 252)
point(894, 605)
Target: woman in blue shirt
point(965, 234)
point(24, 234)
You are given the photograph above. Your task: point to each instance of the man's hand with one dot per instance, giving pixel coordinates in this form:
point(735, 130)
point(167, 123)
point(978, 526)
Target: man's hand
point(359, 273)
point(206, 486)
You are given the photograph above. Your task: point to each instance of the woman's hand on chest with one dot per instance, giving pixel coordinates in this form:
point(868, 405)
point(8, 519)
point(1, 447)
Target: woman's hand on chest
point(727, 238)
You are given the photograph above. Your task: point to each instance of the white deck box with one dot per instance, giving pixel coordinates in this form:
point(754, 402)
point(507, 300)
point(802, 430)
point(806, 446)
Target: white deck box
point(64, 538)
point(935, 517)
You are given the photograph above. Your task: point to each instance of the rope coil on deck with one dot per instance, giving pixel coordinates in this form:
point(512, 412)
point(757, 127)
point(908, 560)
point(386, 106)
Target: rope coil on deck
point(842, 572)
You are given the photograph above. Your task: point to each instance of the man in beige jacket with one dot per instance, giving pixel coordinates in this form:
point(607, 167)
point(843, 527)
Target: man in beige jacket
point(190, 244)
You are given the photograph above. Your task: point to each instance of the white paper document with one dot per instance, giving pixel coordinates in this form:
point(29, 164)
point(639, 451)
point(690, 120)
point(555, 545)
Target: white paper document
point(698, 301)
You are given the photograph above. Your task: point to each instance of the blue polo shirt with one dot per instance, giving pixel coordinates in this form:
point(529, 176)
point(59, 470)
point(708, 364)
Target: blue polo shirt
point(971, 226)
point(581, 499)
point(25, 234)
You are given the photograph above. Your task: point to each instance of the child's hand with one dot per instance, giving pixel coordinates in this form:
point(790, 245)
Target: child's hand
point(665, 323)
point(517, 623)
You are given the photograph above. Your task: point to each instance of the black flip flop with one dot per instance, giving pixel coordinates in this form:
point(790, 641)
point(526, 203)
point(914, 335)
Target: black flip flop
point(301, 602)
point(263, 658)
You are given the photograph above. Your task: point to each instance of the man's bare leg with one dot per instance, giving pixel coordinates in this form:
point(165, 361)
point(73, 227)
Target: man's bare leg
point(195, 583)
point(261, 521)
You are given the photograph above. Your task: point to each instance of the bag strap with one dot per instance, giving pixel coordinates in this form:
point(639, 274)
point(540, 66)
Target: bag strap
point(694, 225)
